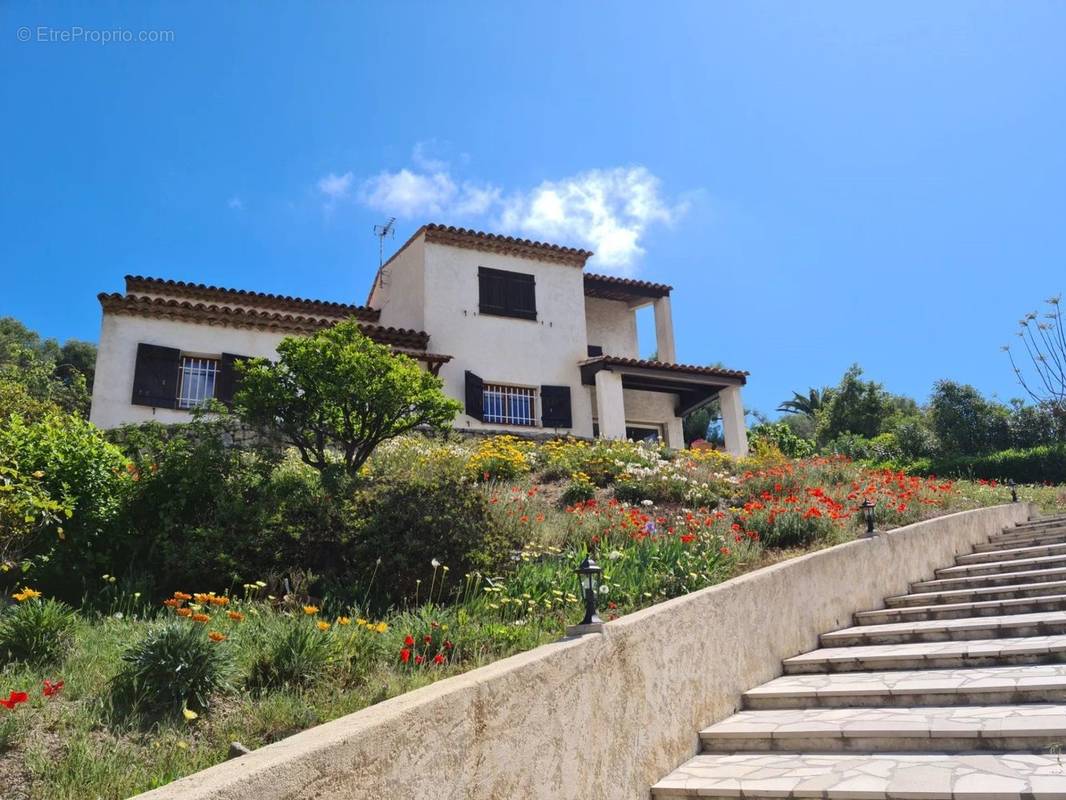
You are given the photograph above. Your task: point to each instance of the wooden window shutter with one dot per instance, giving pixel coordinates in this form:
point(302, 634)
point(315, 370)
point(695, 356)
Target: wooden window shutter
point(522, 296)
point(228, 381)
point(492, 292)
point(475, 396)
point(555, 407)
point(595, 350)
point(155, 376)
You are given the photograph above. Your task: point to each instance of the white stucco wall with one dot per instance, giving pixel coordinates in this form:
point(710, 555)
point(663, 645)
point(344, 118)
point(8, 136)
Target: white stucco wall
point(117, 356)
point(612, 325)
point(400, 294)
point(504, 349)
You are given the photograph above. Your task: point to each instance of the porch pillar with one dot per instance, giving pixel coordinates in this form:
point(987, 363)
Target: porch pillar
point(664, 331)
point(736, 433)
point(675, 434)
point(610, 407)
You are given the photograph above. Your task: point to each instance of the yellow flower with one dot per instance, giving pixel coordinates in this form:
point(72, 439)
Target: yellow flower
point(309, 610)
point(381, 627)
point(190, 715)
point(26, 594)
point(38, 474)
point(322, 625)
point(360, 621)
point(344, 620)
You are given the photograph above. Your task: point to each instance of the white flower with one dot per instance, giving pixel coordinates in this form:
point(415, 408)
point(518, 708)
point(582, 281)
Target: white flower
point(605, 589)
point(647, 503)
point(434, 563)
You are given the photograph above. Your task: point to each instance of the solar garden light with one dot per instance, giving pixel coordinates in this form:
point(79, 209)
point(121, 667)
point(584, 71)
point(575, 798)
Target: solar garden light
point(868, 514)
point(588, 575)
point(1013, 490)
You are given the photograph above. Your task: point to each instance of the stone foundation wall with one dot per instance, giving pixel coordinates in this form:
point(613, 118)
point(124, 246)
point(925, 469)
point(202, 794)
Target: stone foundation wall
point(604, 716)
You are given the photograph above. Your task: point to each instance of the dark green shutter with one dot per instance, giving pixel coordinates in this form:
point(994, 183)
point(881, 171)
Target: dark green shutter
point(228, 380)
point(555, 407)
point(155, 376)
point(522, 296)
point(492, 291)
point(475, 396)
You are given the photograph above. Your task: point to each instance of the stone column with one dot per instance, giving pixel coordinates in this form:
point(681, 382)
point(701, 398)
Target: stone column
point(675, 434)
point(736, 433)
point(664, 331)
point(610, 406)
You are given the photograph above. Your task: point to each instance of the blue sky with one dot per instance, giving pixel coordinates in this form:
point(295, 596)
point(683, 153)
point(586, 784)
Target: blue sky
point(822, 183)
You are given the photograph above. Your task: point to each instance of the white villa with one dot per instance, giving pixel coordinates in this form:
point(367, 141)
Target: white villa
point(525, 338)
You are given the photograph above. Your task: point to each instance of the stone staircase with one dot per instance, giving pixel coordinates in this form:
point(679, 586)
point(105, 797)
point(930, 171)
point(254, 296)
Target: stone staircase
point(957, 689)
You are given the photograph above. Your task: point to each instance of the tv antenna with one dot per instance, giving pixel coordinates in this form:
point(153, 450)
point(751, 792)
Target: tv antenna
point(383, 231)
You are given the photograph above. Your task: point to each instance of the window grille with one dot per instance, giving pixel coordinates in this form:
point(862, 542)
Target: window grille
point(510, 405)
point(197, 386)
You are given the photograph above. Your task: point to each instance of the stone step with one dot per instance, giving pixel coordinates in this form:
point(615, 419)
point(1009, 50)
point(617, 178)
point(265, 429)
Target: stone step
point(1040, 683)
point(878, 776)
point(1042, 623)
point(1005, 565)
point(1012, 553)
point(932, 655)
point(985, 608)
point(998, 579)
point(945, 729)
point(1013, 591)
point(1037, 522)
point(1049, 536)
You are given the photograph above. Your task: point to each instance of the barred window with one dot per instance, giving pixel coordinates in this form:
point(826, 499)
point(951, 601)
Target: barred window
point(197, 381)
point(510, 405)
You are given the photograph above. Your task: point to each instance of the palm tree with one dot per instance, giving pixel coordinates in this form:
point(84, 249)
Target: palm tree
point(807, 405)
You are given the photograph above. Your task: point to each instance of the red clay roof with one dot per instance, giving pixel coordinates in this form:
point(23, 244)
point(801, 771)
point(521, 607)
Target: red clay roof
point(211, 314)
point(136, 284)
point(619, 361)
point(610, 287)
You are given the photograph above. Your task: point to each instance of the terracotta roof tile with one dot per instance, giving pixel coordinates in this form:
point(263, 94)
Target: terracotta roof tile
point(212, 314)
point(619, 361)
point(610, 287)
point(138, 284)
point(508, 245)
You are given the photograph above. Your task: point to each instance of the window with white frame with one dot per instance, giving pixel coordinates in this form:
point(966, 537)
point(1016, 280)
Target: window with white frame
point(510, 405)
point(197, 381)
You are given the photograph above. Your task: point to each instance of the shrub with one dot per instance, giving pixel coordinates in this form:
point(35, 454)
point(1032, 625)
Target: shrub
point(500, 458)
point(398, 527)
point(175, 666)
point(36, 631)
point(1033, 465)
point(579, 489)
point(294, 653)
point(781, 435)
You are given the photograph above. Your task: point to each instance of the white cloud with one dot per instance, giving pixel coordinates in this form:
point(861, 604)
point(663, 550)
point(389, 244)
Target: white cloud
point(235, 203)
point(335, 187)
point(608, 211)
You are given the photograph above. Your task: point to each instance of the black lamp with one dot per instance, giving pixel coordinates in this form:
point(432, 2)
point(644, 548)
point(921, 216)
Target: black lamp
point(1013, 490)
point(868, 514)
point(588, 574)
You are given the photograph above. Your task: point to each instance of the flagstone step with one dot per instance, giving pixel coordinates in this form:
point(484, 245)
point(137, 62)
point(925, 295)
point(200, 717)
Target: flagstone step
point(985, 608)
point(1006, 565)
point(946, 729)
point(1044, 623)
point(1053, 519)
point(1012, 553)
point(1013, 591)
point(932, 655)
point(1049, 536)
point(879, 776)
point(1039, 683)
point(998, 579)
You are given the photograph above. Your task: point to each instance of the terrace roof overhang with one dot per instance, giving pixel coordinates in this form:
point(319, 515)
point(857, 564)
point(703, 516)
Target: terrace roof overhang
point(695, 386)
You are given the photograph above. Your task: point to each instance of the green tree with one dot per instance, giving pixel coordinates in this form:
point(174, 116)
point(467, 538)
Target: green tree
point(965, 422)
point(807, 405)
point(856, 407)
point(339, 392)
point(50, 372)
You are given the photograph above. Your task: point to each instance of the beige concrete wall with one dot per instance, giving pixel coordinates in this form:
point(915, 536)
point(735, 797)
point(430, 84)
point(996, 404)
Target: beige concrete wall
point(506, 350)
point(117, 356)
point(613, 326)
point(605, 716)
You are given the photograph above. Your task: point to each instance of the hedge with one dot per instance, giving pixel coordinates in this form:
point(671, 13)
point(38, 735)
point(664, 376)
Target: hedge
point(1031, 465)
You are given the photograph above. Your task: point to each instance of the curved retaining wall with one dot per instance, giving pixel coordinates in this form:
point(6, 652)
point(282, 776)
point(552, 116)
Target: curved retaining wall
point(602, 716)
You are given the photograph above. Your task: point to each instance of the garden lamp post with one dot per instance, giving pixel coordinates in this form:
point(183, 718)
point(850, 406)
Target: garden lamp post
point(1013, 490)
point(588, 574)
point(868, 514)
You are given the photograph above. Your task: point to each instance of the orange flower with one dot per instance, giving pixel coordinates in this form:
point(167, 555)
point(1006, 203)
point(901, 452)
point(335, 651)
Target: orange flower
point(309, 610)
point(236, 616)
point(173, 602)
point(184, 612)
point(322, 625)
point(215, 636)
point(182, 596)
point(219, 601)
point(201, 618)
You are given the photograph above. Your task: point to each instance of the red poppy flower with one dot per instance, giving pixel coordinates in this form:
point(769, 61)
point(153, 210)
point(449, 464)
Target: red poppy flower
point(448, 645)
point(405, 655)
point(419, 659)
point(13, 699)
point(438, 659)
point(52, 688)
point(427, 639)
point(409, 640)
